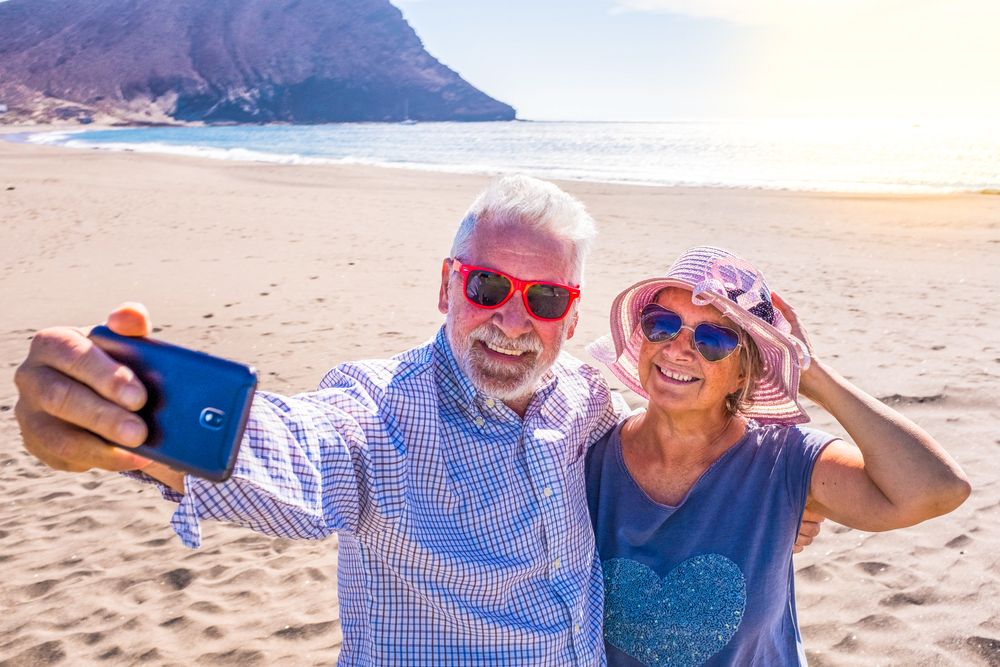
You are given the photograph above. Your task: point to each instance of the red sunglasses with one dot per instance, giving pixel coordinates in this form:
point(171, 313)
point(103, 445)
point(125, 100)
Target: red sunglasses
point(488, 288)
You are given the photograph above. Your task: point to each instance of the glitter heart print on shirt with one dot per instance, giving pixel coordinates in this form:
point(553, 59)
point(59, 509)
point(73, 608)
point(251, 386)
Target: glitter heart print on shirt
point(681, 620)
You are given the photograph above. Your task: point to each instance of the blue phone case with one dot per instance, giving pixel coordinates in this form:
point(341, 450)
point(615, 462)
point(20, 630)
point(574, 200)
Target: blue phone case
point(198, 404)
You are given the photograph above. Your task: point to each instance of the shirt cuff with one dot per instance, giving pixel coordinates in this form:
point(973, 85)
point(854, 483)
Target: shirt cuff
point(165, 491)
point(185, 518)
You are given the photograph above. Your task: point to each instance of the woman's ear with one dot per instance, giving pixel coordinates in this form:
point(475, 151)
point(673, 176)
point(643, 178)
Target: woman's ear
point(744, 370)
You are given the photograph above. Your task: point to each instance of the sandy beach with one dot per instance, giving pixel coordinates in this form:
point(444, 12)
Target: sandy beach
point(288, 267)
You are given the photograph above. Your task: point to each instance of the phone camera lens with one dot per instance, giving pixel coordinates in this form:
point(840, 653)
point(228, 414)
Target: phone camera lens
point(212, 418)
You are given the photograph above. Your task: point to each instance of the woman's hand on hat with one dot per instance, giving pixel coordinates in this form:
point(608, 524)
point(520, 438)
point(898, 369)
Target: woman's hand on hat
point(799, 332)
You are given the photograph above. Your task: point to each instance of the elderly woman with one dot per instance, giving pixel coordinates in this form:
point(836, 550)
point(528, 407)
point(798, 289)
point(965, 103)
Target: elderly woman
point(696, 501)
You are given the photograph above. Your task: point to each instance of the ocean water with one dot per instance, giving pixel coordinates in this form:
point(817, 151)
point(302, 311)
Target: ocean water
point(814, 155)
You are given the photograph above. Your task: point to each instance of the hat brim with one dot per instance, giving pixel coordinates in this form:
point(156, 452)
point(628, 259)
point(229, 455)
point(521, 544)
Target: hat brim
point(774, 397)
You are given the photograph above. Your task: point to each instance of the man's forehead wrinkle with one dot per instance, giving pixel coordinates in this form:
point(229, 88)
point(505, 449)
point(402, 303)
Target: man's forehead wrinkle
point(522, 252)
point(511, 249)
point(547, 265)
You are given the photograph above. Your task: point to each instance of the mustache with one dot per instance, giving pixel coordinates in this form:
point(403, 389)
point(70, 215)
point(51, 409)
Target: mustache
point(490, 334)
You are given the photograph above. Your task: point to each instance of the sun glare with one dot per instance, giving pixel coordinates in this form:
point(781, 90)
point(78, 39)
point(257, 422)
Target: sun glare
point(917, 60)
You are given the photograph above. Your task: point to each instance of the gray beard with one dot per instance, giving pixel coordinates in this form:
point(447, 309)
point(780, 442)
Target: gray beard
point(498, 379)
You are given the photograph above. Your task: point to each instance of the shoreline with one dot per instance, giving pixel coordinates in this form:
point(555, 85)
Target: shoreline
point(296, 269)
point(253, 156)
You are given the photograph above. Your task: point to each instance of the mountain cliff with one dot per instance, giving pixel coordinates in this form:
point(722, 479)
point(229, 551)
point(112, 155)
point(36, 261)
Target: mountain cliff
point(249, 61)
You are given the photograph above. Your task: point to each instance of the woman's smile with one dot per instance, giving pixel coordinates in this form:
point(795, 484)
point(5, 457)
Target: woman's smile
point(675, 377)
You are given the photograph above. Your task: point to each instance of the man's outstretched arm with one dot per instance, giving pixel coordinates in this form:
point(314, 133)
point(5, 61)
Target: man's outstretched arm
point(303, 467)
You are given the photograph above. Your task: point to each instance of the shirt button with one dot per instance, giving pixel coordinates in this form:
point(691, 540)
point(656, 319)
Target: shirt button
point(576, 628)
point(556, 564)
point(547, 492)
point(480, 422)
point(490, 402)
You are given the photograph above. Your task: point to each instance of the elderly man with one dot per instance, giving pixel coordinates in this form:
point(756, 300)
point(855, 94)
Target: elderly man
point(453, 473)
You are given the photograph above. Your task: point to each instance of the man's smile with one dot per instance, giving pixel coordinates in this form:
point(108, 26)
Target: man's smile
point(503, 350)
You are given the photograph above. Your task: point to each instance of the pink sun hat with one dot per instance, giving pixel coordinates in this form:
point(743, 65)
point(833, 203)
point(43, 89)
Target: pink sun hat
point(737, 289)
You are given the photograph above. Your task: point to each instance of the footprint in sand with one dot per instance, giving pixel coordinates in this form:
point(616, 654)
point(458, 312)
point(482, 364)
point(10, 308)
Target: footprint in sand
point(91, 638)
point(47, 653)
point(216, 571)
point(40, 588)
point(958, 542)
point(113, 652)
point(248, 576)
point(873, 567)
point(236, 657)
point(207, 607)
point(849, 643)
point(155, 542)
point(881, 622)
point(84, 524)
point(917, 598)
point(152, 655)
point(899, 399)
point(987, 648)
point(306, 631)
point(176, 623)
point(814, 573)
point(178, 579)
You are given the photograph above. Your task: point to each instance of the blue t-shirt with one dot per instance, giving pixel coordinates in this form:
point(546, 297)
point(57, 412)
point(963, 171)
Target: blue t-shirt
point(710, 581)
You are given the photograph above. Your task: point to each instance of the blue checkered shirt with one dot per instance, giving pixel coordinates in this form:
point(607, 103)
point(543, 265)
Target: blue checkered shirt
point(465, 537)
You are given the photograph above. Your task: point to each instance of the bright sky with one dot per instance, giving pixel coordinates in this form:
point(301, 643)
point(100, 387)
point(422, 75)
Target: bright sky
point(664, 59)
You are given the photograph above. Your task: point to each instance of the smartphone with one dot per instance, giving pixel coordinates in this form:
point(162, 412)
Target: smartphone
point(197, 407)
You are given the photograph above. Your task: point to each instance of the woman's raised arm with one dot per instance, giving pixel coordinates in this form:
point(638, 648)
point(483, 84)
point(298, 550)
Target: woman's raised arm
point(897, 476)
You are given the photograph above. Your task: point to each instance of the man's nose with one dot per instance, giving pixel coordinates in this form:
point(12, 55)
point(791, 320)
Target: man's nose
point(512, 318)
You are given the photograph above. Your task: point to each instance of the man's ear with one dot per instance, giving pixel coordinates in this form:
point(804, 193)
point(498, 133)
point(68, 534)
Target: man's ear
point(445, 278)
point(572, 324)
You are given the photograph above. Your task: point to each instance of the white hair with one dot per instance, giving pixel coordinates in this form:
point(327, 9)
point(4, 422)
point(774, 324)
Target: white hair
point(528, 202)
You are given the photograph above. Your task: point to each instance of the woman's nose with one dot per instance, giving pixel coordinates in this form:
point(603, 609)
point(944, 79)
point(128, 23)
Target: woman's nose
point(682, 345)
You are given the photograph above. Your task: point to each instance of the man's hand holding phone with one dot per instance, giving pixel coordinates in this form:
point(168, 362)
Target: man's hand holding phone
point(74, 398)
point(79, 392)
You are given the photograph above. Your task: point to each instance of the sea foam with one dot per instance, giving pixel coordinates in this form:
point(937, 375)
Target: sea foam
point(833, 156)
